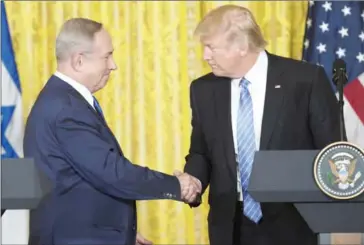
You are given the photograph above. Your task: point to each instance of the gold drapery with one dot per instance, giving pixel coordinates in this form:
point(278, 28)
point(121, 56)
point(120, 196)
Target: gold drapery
point(146, 101)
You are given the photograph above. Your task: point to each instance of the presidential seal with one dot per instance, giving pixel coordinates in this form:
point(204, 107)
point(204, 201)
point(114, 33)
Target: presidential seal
point(339, 170)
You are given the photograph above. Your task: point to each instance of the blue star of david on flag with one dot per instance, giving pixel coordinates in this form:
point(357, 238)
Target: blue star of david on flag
point(7, 151)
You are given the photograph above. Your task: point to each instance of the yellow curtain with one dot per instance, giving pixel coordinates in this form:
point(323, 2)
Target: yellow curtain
point(146, 101)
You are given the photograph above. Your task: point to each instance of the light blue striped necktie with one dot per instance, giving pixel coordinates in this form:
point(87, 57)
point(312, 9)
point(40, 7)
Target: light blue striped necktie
point(246, 149)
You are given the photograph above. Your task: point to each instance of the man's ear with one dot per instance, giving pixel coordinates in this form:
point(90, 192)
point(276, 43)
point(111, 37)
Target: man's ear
point(243, 50)
point(77, 61)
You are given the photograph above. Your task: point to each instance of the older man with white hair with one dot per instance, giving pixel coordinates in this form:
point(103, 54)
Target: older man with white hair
point(94, 185)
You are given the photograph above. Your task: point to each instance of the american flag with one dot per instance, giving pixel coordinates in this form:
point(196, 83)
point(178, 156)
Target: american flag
point(336, 30)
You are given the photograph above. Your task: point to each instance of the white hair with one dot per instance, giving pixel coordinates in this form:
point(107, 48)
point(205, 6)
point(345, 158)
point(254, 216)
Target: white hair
point(76, 35)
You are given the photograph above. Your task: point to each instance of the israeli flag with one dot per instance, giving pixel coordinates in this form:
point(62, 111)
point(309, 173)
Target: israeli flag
point(14, 223)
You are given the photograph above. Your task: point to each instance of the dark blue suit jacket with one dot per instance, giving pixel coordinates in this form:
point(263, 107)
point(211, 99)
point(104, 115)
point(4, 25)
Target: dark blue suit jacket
point(95, 185)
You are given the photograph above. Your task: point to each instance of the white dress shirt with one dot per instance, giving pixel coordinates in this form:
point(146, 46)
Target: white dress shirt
point(257, 76)
point(78, 86)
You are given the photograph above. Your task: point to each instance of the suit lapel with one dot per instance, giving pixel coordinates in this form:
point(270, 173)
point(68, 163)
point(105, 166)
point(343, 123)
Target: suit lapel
point(273, 100)
point(101, 118)
point(84, 101)
point(70, 90)
point(80, 98)
point(222, 99)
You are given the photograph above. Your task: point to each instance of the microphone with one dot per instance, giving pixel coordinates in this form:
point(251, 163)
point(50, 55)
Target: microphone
point(340, 78)
point(339, 72)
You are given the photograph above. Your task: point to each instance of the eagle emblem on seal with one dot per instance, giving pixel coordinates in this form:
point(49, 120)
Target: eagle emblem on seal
point(343, 171)
point(339, 170)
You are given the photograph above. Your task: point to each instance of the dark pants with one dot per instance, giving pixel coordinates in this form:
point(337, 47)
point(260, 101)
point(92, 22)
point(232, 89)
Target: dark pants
point(283, 231)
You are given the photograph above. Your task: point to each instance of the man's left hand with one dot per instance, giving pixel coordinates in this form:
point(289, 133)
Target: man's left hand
point(140, 240)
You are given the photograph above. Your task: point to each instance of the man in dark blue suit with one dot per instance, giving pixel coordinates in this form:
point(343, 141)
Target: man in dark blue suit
point(94, 185)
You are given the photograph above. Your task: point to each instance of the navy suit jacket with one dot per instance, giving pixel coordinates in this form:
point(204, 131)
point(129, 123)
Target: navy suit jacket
point(94, 185)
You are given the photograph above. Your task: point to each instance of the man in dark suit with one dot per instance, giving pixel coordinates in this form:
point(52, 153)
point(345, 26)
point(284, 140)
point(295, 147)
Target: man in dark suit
point(251, 101)
point(94, 185)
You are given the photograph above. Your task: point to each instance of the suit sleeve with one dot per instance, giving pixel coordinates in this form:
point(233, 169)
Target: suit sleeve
point(100, 164)
point(197, 160)
point(323, 111)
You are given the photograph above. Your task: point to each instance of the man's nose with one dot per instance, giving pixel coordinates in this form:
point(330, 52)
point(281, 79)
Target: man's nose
point(113, 65)
point(206, 54)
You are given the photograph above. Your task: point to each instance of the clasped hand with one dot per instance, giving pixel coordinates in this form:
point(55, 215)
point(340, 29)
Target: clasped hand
point(190, 186)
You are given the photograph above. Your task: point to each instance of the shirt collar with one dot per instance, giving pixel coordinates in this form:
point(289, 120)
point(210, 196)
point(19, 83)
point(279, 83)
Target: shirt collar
point(256, 72)
point(78, 87)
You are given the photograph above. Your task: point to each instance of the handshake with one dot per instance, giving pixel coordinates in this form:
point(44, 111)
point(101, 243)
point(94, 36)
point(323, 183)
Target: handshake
point(190, 187)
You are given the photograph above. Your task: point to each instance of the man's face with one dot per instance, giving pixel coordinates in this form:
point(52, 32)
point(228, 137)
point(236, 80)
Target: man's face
point(223, 57)
point(99, 63)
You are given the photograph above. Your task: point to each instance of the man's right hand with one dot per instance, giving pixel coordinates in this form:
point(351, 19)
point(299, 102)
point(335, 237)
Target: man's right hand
point(190, 186)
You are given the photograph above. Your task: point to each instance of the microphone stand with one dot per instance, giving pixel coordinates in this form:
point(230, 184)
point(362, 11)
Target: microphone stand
point(340, 80)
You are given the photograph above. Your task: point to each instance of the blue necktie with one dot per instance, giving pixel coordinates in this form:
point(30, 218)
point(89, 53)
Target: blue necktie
point(246, 149)
point(98, 107)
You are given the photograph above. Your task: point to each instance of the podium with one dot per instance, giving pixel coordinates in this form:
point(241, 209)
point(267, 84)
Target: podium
point(22, 185)
point(288, 177)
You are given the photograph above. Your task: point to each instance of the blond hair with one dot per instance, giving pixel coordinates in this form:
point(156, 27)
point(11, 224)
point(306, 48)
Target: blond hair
point(76, 34)
point(236, 22)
